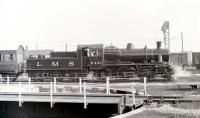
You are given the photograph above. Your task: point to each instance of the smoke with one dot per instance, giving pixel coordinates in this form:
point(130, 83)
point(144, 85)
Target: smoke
point(90, 76)
point(180, 72)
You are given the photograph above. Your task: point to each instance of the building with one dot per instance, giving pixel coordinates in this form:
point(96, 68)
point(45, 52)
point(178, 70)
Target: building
point(181, 58)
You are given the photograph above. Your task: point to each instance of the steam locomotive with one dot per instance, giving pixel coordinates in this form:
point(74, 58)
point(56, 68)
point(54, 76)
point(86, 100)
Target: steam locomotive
point(102, 62)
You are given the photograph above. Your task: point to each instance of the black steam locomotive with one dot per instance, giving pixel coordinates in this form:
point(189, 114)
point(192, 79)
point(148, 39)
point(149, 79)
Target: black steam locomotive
point(102, 62)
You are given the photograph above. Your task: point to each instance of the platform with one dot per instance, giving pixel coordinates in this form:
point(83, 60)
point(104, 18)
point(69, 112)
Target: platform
point(54, 93)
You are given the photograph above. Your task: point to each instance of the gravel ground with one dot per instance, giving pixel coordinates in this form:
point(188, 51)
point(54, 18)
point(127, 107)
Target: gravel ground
point(152, 114)
point(182, 110)
point(149, 114)
point(179, 110)
point(163, 89)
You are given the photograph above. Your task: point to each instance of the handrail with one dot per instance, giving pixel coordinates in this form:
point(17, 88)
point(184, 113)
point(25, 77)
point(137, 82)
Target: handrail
point(60, 87)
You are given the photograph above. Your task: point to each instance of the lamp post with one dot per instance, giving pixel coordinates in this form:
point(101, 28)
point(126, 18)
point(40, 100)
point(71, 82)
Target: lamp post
point(182, 50)
point(145, 52)
point(182, 40)
point(81, 60)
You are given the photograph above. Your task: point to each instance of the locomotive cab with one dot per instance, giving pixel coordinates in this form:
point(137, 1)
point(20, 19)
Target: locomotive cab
point(91, 57)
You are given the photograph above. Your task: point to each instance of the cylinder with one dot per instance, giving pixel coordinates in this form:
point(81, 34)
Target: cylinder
point(159, 58)
point(129, 46)
point(159, 43)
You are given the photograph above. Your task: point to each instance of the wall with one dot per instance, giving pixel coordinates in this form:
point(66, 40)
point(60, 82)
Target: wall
point(59, 110)
point(181, 58)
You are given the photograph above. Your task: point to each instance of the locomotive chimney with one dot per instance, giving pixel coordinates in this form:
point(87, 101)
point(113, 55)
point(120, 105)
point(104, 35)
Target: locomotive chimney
point(158, 44)
point(129, 46)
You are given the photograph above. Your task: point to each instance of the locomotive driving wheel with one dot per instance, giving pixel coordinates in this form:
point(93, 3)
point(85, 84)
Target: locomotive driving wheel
point(168, 77)
point(125, 72)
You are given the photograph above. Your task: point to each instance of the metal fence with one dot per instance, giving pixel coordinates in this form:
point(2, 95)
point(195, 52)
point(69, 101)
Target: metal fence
point(6, 85)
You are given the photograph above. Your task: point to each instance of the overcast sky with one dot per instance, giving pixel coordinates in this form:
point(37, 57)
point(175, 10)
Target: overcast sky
point(55, 23)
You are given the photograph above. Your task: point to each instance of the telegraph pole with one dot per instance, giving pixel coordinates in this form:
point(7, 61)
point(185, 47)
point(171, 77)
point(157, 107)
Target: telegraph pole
point(182, 40)
point(168, 37)
point(36, 45)
point(182, 50)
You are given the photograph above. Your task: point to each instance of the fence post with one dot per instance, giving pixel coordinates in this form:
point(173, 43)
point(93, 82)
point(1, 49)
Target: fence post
point(80, 85)
point(29, 84)
point(133, 94)
point(107, 86)
point(51, 94)
point(54, 84)
point(1, 78)
point(85, 99)
point(20, 95)
point(8, 81)
point(145, 86)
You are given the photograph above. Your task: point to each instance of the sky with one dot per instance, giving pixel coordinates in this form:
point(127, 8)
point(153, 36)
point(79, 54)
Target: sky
point(51, 24)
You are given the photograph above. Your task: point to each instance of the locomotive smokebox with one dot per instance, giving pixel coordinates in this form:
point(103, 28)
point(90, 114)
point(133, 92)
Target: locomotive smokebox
point(129, 46)
point(159, 43)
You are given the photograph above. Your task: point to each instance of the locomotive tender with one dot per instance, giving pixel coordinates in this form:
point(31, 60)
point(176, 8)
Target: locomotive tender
point(103, 61)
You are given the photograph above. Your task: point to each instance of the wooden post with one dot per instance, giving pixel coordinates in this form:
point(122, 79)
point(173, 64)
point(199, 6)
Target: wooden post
point(54, 84)
point(20, 95)
point(51, 94)
point(80, 85)
point(29, 84)
point(107, 86)
point(1, 78)
point(8, 81)
point(133, 95)
point(121, 105)
point(145, 86)
point(85, 100)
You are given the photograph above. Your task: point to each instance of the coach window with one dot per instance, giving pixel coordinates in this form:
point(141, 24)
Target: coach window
point(11, 57)
point(95, 53)
point(8, 57)
point(92, 53)
point(99, 53)
point(85, 52)
point(0, 57)
point(92, 62)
